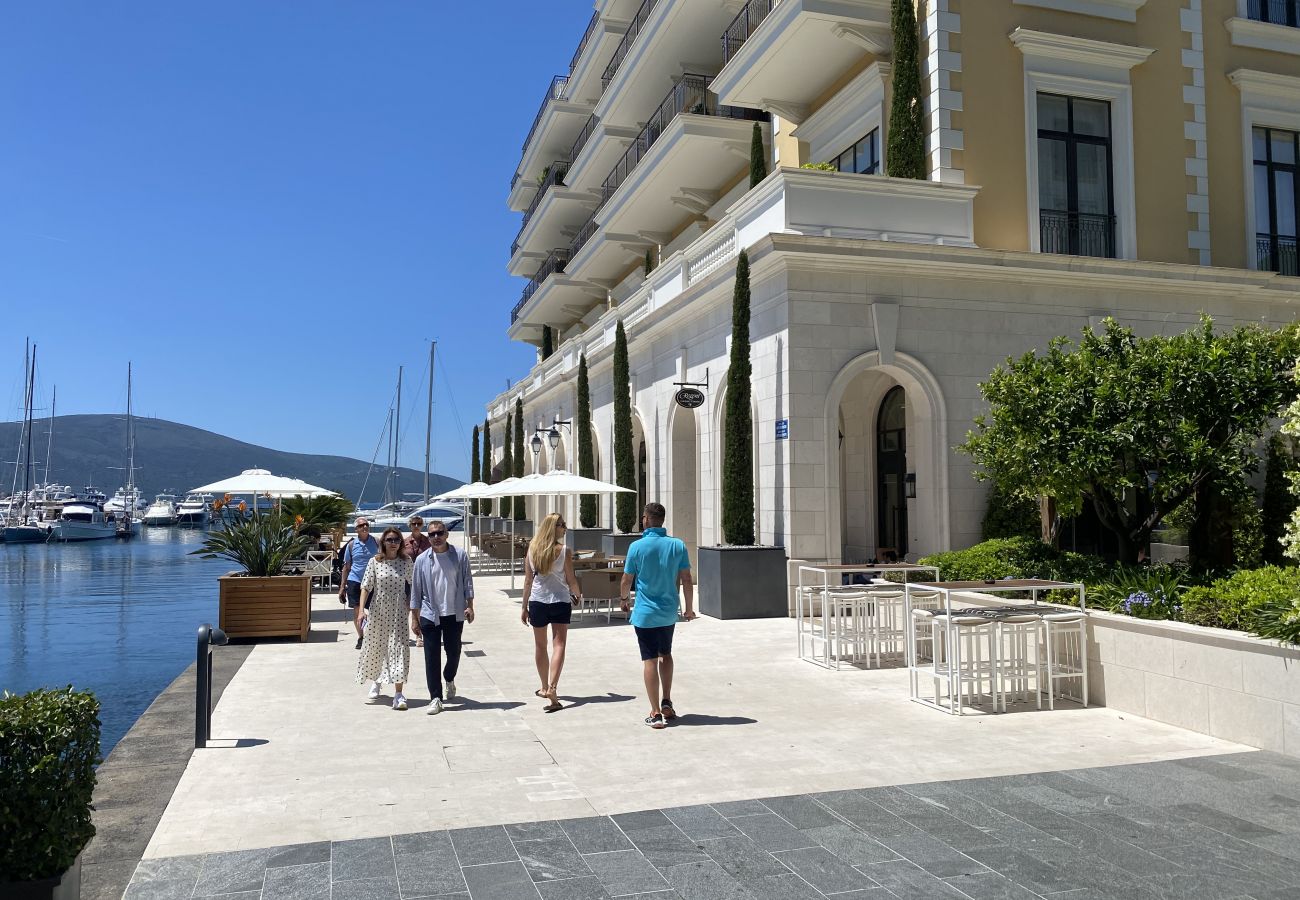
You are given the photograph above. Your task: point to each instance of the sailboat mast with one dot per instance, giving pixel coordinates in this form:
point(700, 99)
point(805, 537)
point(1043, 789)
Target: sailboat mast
point(428, 425)
point(27, 471)
point(49, 447)
point(397, 435)
point(22, 432)
point(130, 436)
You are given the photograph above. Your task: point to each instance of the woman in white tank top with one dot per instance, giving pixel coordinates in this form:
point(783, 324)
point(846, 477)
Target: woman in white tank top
point(550, 593)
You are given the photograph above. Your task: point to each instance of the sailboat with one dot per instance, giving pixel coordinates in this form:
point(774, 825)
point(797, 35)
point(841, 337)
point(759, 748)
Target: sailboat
point(21, 526)
point(128, 523)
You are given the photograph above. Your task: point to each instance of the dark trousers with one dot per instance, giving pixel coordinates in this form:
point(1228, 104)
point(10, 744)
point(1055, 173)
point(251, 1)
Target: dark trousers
point(444, 634)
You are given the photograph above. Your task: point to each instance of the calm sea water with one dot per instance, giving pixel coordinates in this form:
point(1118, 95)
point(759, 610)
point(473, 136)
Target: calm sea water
point(116, 618)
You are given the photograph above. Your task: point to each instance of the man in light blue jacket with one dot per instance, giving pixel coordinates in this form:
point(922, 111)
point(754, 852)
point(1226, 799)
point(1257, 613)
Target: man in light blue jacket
point(442, 601)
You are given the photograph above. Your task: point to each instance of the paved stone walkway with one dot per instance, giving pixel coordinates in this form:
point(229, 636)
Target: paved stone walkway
point(1202, 828)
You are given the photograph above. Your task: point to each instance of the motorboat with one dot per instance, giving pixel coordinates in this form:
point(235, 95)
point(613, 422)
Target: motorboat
point(125, 500)
point(82, 521)
point(193, 510)
point(162, 511)
point(398, 515)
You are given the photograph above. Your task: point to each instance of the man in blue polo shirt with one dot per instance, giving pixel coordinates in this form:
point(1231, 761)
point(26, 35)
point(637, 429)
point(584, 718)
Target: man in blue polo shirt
point(657, 564)
point(356, 556)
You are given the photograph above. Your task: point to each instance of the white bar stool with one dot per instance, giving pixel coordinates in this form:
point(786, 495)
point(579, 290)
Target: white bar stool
point(1065, 640)
point(1020, 657)
point(886, 628)
point(970, 659)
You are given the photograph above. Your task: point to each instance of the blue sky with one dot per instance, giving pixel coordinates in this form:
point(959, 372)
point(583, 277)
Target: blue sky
point(267, 208)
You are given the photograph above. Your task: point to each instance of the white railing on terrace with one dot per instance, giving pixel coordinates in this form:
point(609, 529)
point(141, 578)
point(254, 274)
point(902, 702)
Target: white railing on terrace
point(710, 258)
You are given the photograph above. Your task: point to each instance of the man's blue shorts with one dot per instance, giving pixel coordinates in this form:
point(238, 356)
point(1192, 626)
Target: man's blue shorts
point(655, 642)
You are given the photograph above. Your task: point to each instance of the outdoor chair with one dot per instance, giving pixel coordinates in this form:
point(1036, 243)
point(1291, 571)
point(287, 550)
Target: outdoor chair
point(1065, 652)
point(969, 660)
point(320, 565)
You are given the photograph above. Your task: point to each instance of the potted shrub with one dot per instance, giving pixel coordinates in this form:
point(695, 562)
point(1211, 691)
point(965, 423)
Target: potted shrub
point(49, 747)
point(260, 601)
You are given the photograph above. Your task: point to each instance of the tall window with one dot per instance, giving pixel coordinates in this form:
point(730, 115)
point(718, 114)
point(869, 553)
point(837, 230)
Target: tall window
point(891, 474)
point(1076, 196)
point(863, 157)
point(1278, 12)
point(1277, 194)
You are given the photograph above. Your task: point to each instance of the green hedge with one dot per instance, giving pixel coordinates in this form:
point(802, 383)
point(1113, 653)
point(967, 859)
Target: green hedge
point(1017, 557)
point(1230, 602)
point(49, 747)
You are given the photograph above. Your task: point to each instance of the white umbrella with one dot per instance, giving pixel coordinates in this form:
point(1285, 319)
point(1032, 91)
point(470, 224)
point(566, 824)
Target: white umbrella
point(465, 492)
point(260, 482)
point(556, 483)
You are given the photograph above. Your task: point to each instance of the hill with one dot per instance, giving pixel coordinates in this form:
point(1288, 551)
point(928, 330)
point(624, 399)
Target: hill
point(90, 449)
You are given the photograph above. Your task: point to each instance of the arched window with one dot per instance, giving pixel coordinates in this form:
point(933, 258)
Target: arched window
point(891, 469)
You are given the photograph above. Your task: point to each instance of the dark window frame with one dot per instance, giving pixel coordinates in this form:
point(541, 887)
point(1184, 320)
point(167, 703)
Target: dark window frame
point(1072, 140)
point(836, 161)
point(1268, 244)
point(1274, 12)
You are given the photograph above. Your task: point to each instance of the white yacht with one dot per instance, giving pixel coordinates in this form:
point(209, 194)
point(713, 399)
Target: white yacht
point(162, 511)
point(193, 511)
point(125, 500)
point(81, 520)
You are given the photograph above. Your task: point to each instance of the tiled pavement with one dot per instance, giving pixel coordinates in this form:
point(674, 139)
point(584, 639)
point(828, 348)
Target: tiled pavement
point(1220, 828)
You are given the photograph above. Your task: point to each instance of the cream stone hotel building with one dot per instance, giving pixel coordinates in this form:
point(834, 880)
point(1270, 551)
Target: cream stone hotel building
point(1086, 158)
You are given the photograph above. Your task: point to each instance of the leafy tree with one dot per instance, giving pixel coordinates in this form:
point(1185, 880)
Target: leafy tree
point(548, 342)
point(738, 434)
point(475, 468)
point(1135, 426)
point(1009, 514)
point(906, 154)
point(316, 515)
point(520, 509)
point(586, 449)
point(757, 158)
point(507, 467)
point(1278, 468)
point(624, 466)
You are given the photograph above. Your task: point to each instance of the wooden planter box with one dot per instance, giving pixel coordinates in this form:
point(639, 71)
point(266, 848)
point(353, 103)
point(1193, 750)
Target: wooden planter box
point(265, 607)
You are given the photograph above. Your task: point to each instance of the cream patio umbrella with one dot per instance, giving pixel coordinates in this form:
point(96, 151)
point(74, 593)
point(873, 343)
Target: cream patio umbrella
point(465, 492)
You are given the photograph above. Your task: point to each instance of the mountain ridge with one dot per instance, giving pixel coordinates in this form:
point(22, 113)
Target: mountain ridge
point(171, 456)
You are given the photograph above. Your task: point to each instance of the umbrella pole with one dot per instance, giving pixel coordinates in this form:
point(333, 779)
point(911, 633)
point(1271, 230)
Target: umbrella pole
point(512, 553)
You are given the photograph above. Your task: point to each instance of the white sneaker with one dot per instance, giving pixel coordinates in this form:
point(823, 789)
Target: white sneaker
point(374, 691)
point(399, 702)
point(451, 690)
point(435, 707)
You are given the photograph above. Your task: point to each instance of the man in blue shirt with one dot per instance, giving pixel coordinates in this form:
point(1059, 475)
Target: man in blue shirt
point(657, 564)
point(355, 559)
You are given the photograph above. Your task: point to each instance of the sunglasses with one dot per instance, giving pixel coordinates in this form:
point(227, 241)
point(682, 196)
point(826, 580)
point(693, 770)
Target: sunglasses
point(392, 540)
point(362, 525)
point(560, 525)
point(434, 534)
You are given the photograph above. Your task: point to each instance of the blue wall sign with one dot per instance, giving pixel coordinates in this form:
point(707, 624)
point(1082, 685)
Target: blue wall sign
point(783, 429)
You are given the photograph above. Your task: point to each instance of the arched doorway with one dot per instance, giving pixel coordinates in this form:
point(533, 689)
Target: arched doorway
point(683, 514)
point(891, 473)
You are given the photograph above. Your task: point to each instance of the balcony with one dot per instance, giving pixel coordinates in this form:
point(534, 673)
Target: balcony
point(554, 264)
point(629, 38)
point(1277, 253)
point(555, 92)
point(554, 175)
point(1076, 234)
point(557, 119)
point(767, 46)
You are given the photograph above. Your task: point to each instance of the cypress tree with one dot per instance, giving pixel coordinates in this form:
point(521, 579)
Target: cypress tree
point(548, 342)
point(738, 434)
point(475, 470)
point(624, 466)
point(1277, 500)
point(520, 511)
point(906, 154)
point(757, 159)
point(649, 263)
point(586, 449)
point(507, 467)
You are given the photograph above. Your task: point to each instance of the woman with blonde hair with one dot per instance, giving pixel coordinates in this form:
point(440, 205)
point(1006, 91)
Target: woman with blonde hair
point(550, 593)
point(385, 653)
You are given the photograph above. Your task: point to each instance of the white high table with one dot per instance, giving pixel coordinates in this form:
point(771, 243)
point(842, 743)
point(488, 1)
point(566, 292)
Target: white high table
point(829, 629)
point(1031, 586)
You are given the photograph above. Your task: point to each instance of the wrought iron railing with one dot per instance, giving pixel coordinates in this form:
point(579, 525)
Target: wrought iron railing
point(1276, 12)
point(588, 129)
point(1277, 253)
point(584, 234)
point(690, 95)
point(586, 39)
point(1076, 234)
point(553, 175)
point(559, 85)
point(629, 38)
point(745, 24)
point(555, 261)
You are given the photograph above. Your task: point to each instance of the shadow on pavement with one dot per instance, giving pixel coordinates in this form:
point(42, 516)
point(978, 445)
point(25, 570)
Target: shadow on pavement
point(573, 702)
point(697, 719)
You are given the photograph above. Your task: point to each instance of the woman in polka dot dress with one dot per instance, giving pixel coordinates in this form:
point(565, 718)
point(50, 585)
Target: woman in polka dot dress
point(385, 653)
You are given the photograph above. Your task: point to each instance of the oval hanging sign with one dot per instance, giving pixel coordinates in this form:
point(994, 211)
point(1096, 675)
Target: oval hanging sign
point(690, 398)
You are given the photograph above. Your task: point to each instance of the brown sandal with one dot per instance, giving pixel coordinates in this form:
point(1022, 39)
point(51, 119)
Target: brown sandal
point(555, 704)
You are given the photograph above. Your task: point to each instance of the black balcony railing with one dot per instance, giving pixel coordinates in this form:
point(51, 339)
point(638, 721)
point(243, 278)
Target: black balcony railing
point(745, 24)
point(690, 95)
point(629, 38)
point(557, 91)
point(555, 262)
point(584, 234)
point(588, 129)
point(1276, 12)
point(1277, 253)
point(586, 39)
point(553, 175)
point(1076, 234)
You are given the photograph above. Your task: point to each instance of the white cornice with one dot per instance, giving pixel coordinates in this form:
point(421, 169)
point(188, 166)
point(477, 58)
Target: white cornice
point(1254, 84)
point(1067, 48)
point(1122, 10)
point(1264, 35)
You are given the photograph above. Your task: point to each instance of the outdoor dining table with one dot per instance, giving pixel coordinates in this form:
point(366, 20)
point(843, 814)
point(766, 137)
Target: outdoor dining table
point(948, 589)
point(827, 628)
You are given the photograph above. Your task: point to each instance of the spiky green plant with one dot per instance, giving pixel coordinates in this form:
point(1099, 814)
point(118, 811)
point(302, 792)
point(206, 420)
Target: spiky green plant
point(317, 514)
point(261, 544)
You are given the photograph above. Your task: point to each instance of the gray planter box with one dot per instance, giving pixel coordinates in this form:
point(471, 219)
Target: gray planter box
point(742, 582)
point(63, 887)
point(617, 544)
point(493, 523)
point(523, 527)
point(585, 538)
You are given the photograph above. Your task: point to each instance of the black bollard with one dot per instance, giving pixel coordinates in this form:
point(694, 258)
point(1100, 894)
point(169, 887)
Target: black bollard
point(207, 636)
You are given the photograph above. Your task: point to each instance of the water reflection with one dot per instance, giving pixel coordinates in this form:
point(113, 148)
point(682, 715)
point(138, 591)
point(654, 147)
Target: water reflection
point(115, 618)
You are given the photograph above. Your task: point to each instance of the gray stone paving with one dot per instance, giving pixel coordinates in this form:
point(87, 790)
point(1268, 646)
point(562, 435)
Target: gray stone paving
point(1221, 828)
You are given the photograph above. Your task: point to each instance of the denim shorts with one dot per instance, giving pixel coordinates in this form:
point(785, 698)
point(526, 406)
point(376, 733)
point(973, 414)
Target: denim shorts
point(655, 642)
point(354, 594)
point(542, 614)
